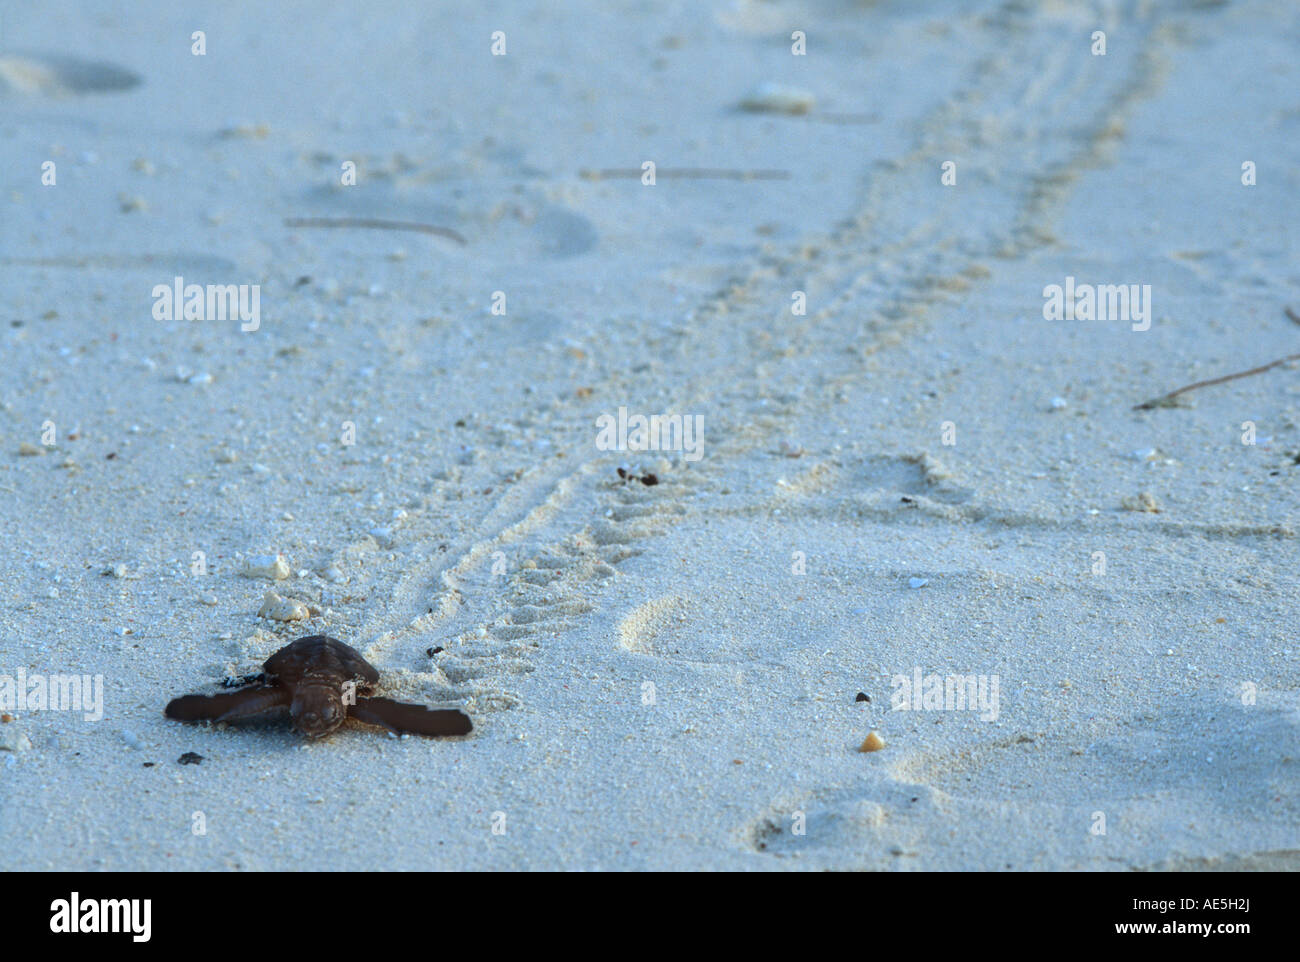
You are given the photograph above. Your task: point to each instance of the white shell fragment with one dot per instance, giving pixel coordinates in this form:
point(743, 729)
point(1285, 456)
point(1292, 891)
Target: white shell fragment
point(274, 567)
point(1145, 501)
point(278, 608)
point(14, 740)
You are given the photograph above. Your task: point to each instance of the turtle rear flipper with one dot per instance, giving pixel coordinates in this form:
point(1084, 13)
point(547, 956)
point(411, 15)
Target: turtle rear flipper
point(400, 717)
point(226, 707)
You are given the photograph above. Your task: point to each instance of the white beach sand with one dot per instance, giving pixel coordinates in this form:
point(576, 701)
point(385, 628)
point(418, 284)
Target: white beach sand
point(653, 681)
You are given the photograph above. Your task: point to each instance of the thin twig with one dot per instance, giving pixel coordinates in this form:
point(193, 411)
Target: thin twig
point(687, 173)
point(1167, 400)
point(372, 224)
point(836, 118)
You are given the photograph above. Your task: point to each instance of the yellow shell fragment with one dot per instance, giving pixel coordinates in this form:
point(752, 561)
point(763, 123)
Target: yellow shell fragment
point(872, 743)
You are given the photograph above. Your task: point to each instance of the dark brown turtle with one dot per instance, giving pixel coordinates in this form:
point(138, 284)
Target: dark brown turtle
point(323, 682)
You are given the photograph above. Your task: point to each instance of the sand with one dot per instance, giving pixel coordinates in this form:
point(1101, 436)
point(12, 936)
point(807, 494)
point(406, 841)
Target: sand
point(918, 475)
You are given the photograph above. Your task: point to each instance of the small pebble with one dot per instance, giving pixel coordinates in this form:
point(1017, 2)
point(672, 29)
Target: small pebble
point(29, 450)
point(247, 131)
point(769, 97)
point(1057, 403)
point(872, 743)
point(190, 758)
point(862, 696)
point(917, 582)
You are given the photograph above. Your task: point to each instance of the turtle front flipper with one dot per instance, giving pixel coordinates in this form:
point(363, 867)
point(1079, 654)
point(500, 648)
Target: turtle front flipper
point(243, 681)
point(400, 717)
point(226, 707)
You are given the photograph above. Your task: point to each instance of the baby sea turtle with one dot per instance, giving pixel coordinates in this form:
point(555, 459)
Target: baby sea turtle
point(322, 682)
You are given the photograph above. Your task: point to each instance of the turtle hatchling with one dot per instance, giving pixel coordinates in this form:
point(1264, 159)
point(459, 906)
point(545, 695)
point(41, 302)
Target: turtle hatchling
point(322, 682)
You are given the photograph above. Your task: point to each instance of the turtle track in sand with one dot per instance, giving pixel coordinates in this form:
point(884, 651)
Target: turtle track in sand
point(1037, 117)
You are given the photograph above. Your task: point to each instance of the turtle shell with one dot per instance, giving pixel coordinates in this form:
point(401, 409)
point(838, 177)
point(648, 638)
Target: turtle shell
point(320, 655)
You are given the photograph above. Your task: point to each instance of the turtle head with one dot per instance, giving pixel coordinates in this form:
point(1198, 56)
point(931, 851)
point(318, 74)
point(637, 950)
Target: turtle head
point(317, 709)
